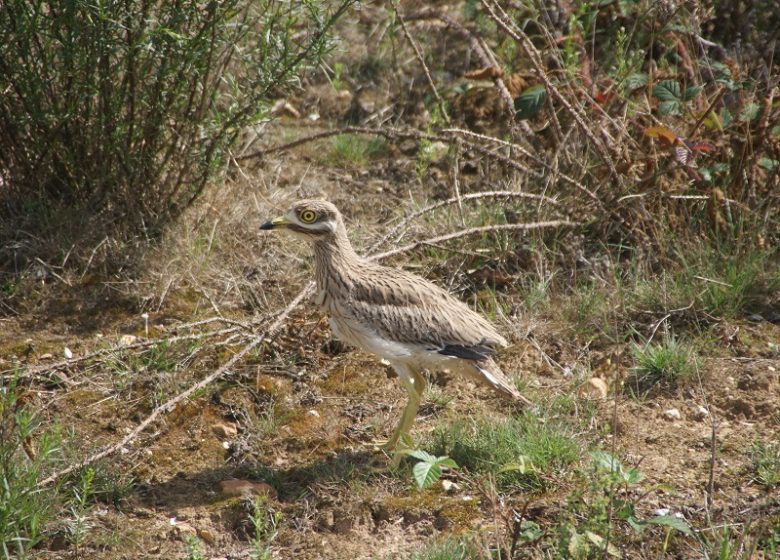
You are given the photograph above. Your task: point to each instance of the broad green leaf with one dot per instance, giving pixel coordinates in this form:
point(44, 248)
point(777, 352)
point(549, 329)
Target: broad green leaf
point(749, 112)
point(635, 524)
point(636, 81)
point(578, 545)
point(667, 90)
point(669, 108)
point(726, 117)
point(530, 531)
point(426, 473)
point(768, 163)
point(421, 455)
point(606, 461)
point(673, 522)
point(530, 102)
point(632, 476)
point(447, 463)
point(692, 92)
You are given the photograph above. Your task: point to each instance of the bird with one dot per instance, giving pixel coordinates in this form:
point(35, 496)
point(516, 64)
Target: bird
point(401, 317)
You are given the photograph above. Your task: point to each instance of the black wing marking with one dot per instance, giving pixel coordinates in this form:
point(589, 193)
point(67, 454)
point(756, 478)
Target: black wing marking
point(477, 353)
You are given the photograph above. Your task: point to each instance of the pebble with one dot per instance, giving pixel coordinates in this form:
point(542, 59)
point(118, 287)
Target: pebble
point(237, 487)
point(672, 414)
point(224, 429)
point(597, 388)
point(207, 535)
point(127, 339)
point(182, 530)
point(449, 486)
point(313, 413)
point(68, 353)
point(700, 413)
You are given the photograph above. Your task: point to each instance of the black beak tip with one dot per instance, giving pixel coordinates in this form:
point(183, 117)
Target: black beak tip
point(267, 225)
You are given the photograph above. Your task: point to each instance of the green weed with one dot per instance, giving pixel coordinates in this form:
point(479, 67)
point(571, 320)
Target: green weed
point(27, 451)
point(766, 464)
point(79, 524)
point(524, 453)
point(353, 150)
point(265, 527)
point(669, 363)
point(448, 549)
point(606, 497)
point(194, 552)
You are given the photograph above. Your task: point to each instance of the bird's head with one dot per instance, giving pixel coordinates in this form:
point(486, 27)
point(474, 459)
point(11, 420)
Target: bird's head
point(311, 220)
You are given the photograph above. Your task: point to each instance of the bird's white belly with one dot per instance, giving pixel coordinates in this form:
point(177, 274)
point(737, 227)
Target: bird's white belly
point(353, 333)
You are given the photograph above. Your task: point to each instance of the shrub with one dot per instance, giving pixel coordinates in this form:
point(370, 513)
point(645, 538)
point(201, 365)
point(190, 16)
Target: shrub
point(124, 110)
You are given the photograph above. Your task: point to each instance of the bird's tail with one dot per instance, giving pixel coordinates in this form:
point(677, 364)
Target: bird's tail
point(487, 372)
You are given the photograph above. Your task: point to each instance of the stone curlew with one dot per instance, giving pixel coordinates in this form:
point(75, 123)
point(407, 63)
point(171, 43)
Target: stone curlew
point(403, 318)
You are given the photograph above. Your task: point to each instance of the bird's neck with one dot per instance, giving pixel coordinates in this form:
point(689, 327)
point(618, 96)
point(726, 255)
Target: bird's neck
point(335, 259)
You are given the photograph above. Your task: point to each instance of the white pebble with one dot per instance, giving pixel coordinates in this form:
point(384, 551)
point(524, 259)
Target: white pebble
point(672, 414)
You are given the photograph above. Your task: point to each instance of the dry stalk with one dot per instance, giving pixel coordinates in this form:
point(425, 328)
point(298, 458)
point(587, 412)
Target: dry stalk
point(421, 60)
point(141, 345)
point(403, 225)
point(474, 231)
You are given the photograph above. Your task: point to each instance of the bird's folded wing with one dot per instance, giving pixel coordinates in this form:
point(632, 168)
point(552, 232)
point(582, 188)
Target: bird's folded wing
point(407, 308)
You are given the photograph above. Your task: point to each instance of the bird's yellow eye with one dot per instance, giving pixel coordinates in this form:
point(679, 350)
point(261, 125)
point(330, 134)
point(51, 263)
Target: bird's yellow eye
point(308, 216)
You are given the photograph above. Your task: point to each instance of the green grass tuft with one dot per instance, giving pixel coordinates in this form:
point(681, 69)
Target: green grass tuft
point(766, 464)
point(449, 549)
point(350, 150)
point(669, 363)
point(523, 453)
point(27, 452)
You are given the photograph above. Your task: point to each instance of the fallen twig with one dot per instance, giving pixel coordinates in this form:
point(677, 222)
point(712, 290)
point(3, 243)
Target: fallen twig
point(401, 226)
point(474, 231)
point(170, 404)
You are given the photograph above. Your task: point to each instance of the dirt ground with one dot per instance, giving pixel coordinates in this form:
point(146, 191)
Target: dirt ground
point(298, 418)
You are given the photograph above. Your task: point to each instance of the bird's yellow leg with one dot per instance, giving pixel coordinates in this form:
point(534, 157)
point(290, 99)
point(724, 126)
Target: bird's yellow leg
point(415, 385)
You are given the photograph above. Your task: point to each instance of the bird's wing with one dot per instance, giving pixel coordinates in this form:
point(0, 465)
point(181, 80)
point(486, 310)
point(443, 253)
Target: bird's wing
point(407, 308)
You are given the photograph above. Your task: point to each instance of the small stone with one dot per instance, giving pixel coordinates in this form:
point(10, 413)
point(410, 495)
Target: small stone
point(313, 413)
point(182, 530)
point(672, 414)
point(207, 535)
point(68, 353)
point(237, 487)
point(46, 357)
point(596, 388)
point(127, 339)
point(700, 413)
point(224, 429)
point(449, 486)
point(285, 109)
point(662, 512)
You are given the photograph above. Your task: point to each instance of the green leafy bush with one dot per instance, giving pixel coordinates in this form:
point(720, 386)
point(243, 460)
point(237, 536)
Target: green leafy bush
point(128, 108)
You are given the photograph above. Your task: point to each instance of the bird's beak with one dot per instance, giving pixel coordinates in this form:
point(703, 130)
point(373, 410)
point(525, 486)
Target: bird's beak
point(276, 223)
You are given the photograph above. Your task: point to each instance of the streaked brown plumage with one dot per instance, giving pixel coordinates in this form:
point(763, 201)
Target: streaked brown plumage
point(401, 317)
